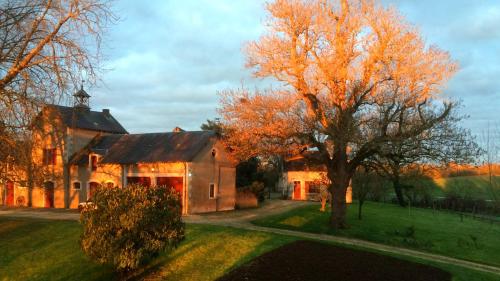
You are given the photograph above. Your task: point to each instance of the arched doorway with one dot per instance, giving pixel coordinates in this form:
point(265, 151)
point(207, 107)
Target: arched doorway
point(9, 199)
point(92, 187)
point(49, 194)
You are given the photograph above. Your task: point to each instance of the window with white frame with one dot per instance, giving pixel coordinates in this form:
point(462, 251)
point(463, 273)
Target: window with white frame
point(211, 191)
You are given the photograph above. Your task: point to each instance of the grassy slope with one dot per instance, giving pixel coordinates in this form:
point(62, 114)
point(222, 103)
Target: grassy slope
point(48, 250)
point(477, 187)
point(436, 232)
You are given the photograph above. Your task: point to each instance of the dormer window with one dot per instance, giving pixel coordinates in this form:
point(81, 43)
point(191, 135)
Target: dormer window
point(93, 162)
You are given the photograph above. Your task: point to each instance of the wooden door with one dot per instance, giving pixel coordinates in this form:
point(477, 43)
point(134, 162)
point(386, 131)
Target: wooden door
point(9, 201)
point(296, 190)
point(226, 198)
point(92, 188)
point(49, 194)
point(176, 183)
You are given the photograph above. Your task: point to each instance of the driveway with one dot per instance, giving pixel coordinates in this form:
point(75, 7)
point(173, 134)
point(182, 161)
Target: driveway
point(40, 213)
point(269, 207)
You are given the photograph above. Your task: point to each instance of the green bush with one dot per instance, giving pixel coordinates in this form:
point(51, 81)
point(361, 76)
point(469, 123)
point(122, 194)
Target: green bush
point(125, 227)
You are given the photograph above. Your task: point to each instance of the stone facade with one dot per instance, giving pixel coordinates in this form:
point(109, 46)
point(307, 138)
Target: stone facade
point(205, 179)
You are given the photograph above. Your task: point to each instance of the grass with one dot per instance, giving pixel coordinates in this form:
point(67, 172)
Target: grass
point(48, 250)
point(423, 229)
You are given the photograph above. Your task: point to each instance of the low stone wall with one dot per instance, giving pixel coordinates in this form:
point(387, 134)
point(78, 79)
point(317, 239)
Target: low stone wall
point(246, 199)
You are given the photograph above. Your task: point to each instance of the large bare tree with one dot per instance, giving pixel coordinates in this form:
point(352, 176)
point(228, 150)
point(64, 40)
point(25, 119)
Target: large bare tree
point(46, 47)
point(350, 69)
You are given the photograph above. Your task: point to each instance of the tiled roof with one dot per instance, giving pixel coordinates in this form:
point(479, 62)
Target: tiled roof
point(89, 120)
point(151, 148)
point(305, 162)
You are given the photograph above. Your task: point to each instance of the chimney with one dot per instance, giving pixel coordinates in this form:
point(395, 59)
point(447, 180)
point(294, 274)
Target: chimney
point(106, 112)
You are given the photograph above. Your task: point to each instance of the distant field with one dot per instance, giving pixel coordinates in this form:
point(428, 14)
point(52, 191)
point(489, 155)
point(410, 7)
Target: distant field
point(473, 187)
point(477, 187)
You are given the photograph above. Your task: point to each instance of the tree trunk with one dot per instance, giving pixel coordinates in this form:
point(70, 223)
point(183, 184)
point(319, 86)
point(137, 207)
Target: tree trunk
point(398, 189)
point(340, 177)
point(339, 206)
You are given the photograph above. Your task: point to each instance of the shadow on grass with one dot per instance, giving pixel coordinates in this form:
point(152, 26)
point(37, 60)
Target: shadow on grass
point(209, 252)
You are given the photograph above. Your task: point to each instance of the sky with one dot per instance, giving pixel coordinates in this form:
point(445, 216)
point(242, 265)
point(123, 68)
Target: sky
point(167, 59)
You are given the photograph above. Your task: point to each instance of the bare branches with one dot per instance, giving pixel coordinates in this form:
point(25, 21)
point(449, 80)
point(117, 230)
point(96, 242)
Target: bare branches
point(356, 74)
point(46, 47)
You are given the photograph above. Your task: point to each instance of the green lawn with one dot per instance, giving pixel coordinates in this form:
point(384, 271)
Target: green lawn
point(436, 232)
point(48, 250)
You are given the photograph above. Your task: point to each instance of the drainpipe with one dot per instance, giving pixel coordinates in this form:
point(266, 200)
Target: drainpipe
point(184, 192)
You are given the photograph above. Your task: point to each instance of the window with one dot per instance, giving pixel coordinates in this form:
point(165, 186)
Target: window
point(211, 191)
point(144, 181)
point(49, 156)
point(312, 187)
point(93, 162)
point(77, 185)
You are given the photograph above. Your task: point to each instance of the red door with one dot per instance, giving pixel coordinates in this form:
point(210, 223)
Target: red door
point(10, 194)
point(49, 194)
point(296, 190)
point(176, 183)
point(92, 188)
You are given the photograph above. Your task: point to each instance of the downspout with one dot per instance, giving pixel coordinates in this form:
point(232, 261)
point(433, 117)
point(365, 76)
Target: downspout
point(184, 196)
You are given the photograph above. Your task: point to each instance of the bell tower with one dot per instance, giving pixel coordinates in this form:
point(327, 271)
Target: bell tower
point(81, 99)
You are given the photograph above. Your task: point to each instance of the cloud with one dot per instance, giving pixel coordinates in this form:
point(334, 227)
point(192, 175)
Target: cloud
point(168, 59)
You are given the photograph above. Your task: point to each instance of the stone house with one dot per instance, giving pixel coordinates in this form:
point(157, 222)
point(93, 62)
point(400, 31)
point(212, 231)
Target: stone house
point(303, 179)
point(76, 149)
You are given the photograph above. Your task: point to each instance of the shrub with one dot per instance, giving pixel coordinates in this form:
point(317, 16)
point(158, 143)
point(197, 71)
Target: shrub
point(125, 227)
point(258, 188)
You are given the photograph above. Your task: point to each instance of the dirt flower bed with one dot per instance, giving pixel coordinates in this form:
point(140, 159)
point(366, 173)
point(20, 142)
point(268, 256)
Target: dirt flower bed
point(307, 260)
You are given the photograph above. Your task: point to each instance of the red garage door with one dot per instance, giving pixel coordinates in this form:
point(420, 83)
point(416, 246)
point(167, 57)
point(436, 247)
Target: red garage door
point(142, 181)
point(175, 182)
